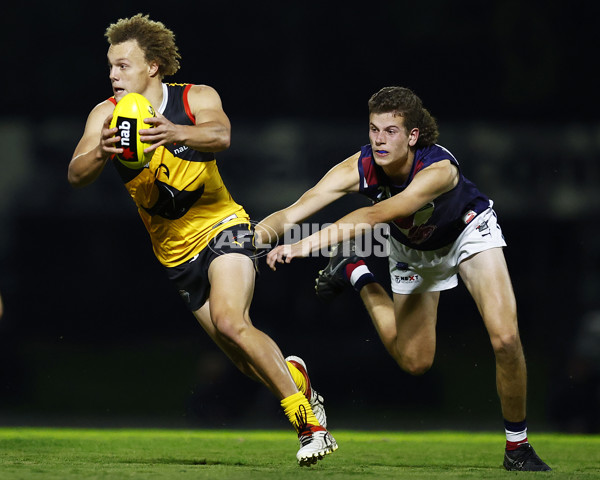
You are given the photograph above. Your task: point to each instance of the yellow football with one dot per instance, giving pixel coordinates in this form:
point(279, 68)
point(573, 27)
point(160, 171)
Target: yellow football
point(128, 117)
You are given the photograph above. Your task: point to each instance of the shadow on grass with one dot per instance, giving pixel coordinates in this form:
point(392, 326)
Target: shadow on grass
point(181, 461)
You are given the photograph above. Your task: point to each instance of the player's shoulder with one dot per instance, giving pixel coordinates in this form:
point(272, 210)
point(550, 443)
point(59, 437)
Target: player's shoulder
point(436, 151)
point(99, 113)
point(351, 161)
point(203, 93)
point(201, 88)
point(344, 175)
point(104, 108)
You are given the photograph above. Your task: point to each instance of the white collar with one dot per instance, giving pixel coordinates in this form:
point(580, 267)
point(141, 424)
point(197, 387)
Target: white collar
point(165, 99)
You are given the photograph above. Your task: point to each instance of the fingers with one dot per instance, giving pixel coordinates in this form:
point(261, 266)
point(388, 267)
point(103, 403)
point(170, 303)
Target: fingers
point(272, 259)
point(158, 125)
point(279, 254)
point(147, 134)
point(151, 122)
point(109, 137)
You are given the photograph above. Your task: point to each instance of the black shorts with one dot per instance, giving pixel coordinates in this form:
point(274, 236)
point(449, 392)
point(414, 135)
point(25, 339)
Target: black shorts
point(191, 277)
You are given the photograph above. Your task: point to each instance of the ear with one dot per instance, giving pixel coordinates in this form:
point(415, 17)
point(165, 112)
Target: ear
point(413, 136)
point(153, 68)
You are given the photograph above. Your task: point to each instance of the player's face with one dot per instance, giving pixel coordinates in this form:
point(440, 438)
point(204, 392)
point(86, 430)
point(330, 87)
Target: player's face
point(389, 139)
point(129, 71)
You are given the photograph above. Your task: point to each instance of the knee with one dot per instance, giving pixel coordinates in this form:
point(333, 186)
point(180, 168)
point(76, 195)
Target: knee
point(414, 365)
point(507, 345)
point(229, 325)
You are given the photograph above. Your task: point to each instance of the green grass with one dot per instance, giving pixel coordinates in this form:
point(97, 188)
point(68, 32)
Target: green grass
point(64, 454)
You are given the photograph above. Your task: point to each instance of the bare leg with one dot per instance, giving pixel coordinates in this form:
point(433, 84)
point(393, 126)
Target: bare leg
point(487, 279)
point(232, 286)
point(229, 348)
point(381, 310)
point(405, 325)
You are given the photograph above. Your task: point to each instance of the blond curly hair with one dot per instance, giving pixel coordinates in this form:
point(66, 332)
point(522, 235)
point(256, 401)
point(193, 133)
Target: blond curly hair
point(156, 41)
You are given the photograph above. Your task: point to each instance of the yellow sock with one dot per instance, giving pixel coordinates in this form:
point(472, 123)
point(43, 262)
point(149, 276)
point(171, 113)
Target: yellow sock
point(299, 379)
point(298, 411)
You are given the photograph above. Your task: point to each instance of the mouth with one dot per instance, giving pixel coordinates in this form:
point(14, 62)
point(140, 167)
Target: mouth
point(381, 153)
point(118, 91)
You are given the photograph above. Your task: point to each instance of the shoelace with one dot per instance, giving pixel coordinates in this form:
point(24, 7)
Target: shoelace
point(305, 430)
point(301, 418)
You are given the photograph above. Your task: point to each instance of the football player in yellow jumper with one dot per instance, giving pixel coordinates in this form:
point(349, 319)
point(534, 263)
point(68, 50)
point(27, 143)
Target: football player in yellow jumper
point(201, 236)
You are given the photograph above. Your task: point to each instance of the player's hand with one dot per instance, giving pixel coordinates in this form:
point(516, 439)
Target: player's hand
point(163, 131)
point(280, 254)
point(285, 254)
point(108, 139)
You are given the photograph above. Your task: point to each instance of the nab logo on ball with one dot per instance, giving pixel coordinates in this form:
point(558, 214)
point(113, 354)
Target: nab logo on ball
point(125, 126)
point(128, 117)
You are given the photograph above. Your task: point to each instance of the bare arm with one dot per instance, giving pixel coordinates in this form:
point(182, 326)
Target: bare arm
point(211, 133)
point(427, 185)
point(95, 146)
point(340, 180)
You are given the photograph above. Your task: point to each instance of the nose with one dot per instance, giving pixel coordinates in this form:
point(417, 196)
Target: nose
point(112, 73)
point(379, 138)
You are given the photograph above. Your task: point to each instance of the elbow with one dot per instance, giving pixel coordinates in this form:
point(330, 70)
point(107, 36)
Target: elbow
point(207, 137)
point(218, 145)
point(219, 139)
point(223, 142)
point(72, 179)
point(76, 180)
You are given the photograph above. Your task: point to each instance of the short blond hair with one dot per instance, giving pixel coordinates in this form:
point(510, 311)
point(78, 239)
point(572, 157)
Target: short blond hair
point(156, 41)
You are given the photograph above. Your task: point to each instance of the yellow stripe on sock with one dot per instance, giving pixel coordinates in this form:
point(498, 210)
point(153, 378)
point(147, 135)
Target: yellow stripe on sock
point(298, 411)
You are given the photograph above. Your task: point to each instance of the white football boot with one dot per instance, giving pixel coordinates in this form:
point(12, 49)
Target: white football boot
point(316, 401)
point(315, 443)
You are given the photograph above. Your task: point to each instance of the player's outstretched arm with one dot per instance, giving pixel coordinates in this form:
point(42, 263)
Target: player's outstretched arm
point(337, 182)
point(95, 146)
point(427, 185)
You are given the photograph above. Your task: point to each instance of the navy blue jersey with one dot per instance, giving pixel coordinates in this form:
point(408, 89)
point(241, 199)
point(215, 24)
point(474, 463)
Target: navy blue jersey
point(436, 224)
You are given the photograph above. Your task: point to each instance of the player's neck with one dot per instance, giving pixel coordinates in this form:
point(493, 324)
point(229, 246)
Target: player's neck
point(154, 93)
point(399, 170)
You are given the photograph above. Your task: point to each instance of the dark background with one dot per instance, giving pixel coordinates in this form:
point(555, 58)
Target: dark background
point(93, 334)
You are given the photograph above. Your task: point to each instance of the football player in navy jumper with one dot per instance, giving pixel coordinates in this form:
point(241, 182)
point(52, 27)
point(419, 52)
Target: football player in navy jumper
point(440, 226)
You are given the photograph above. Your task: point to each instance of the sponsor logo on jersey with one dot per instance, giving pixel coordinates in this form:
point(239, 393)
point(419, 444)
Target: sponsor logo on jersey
point(469, 216)
point(179, 150)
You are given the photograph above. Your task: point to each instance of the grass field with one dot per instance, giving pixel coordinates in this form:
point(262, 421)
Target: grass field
point(64, 454)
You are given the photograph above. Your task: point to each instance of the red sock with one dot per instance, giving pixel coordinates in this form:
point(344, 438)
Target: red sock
point(514, 445)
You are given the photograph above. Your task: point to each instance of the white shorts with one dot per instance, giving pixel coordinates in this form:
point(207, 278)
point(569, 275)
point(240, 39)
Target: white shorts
point(417, 271)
